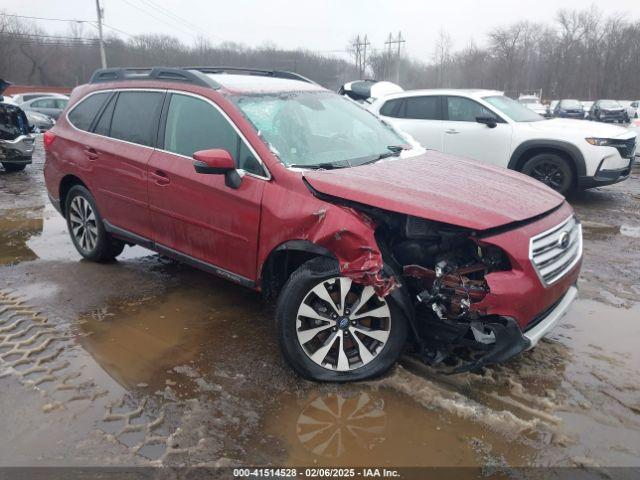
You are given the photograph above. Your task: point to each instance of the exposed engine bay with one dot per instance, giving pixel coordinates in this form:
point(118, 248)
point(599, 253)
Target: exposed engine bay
point(443, 271)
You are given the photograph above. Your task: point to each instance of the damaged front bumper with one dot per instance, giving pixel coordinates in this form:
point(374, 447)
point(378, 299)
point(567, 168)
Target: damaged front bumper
point(18, 150)
point(500, 338)
point(540, 327)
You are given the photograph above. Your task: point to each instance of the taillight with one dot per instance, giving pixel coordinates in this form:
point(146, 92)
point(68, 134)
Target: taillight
point(48, 138)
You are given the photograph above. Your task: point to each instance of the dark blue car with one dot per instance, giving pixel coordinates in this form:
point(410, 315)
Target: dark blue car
point(569, 108)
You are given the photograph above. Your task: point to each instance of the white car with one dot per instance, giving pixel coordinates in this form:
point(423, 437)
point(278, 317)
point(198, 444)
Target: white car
point(487, 126)
point(26, 97)
point(587, 104)
point(633, 109)
point(533, 103)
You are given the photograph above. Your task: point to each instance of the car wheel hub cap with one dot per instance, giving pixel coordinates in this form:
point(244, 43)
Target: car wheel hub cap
point(341, 325)
point(549, 174)
point(83, 223)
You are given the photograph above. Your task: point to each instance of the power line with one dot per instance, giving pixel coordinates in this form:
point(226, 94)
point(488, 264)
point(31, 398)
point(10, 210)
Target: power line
point(77, 20)
point(45, 18)
point(160, 19)
point(118, 30)
point(48, 37)
point(169, 14)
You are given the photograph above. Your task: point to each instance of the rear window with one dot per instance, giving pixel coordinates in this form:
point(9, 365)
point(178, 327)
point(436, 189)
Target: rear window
point(83, 114)
point(570, 104)
point(135, 117)
point(104, 123)
point(45, 103)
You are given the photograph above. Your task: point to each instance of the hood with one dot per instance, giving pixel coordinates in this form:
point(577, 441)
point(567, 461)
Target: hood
point(580, 127)
point(441, 188)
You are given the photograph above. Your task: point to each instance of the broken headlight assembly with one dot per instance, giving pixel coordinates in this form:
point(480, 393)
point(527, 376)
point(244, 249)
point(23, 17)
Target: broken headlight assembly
point(443, 269)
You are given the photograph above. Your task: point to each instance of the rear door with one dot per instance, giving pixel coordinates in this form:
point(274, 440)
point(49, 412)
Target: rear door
point(465, 137)
point(420, 117)
point(197, 215)
point(119, 151)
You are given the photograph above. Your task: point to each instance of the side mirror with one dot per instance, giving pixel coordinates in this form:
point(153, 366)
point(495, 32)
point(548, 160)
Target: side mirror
point(490, 122)
point(217, 162)
point(213, 162)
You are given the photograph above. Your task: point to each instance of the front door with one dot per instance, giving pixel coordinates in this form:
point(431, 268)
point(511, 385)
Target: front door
point(465, 137)
point(197, 214)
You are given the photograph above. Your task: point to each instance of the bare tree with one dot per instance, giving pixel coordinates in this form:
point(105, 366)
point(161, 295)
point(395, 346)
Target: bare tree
point(442, 56)
point(580, 54)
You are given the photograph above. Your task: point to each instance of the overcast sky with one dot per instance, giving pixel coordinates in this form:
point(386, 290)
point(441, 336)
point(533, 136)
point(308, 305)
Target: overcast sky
point(321, 25)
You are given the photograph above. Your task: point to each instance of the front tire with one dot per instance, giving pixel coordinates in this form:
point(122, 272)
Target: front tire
point(552, 170)
point(86, 228)
point(14, 167)
point(335, 330)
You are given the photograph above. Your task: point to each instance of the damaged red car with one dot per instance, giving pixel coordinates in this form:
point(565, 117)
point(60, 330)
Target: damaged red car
point(370, 245)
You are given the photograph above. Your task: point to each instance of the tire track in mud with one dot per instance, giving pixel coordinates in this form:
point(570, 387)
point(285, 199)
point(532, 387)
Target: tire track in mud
point(159, 430)
point(502, 398)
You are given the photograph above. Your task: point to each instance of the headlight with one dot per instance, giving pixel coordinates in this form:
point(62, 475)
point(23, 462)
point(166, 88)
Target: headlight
point(599, 142)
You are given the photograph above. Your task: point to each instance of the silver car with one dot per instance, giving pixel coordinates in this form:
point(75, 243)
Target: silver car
point(49, 106)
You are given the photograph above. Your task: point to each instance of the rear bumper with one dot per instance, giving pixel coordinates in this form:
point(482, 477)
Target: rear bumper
point(550, 320)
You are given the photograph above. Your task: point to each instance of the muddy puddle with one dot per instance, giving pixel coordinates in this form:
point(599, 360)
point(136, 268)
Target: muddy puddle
point(572, 400)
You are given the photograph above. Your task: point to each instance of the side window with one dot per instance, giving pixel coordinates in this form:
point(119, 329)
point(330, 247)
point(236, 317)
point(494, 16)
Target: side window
point(135, 117)
point(82, 115)
point(104, 123)
point(193, 124)
point(461, 109)
point(44, 103)
point(391, 108)
point(61, 102)
point(423, 108)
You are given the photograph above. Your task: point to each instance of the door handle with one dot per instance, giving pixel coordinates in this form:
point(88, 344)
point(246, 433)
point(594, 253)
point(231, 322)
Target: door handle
point(160, 177)
point(452, 131)
point(91, 153)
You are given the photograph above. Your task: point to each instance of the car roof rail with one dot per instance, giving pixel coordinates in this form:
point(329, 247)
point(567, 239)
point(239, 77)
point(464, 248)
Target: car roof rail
point(253, 71)
point(176, 74)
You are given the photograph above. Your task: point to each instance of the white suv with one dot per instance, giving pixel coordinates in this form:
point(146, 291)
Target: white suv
point(487, 126)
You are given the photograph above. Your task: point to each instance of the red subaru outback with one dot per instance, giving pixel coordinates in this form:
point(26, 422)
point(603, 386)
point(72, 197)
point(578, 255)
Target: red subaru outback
point(368, 242)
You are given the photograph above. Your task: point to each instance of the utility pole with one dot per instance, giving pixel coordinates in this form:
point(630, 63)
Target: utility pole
point(360, 47)
point(365, 44)
point(103, 56)
point(398, 41)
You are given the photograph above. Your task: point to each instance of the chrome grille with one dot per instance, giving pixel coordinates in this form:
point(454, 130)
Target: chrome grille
point(554, 252)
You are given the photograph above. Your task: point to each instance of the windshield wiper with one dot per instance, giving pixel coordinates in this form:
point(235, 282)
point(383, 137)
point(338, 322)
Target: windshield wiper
point(394, 151)
point(322, 166)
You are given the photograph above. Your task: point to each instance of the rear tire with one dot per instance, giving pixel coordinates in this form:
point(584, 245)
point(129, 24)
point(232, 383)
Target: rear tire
point(334, 330)
point(552, 170)
point(14, 167)
point(86, 227)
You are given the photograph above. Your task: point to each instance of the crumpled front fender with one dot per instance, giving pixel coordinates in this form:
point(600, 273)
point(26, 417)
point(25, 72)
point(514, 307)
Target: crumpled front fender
point(345, 232)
